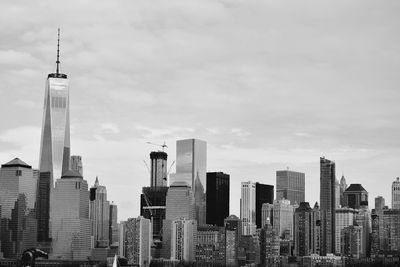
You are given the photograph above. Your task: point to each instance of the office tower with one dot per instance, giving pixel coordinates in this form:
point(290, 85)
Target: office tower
point(113, 224)
point(355, 196)
point(396, 194)
point(337, 194)
point(99, 215)
point(180, 204)
point(391, 229)
point(290, 185)
point(375, 238)
point(121, 238)
point(379, 207)
point(344, 217)
point(233, 231)
point(280, 215)
point(363, 219)
point(351, 241)
point(248, 208)
point(138, 241)
point(70, 218)
point(316, 230)
point(183, 240)
point(17, 200)
point(269, 245)
point(343, 187)
point(55, 143)
point(210, 246)
point(76, 164)
point(327, 205)
point(158, 169)
point(264, 194)
point(191, 167)
point(217, 197)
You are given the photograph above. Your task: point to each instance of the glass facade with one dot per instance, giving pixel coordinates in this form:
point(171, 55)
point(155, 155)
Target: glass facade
point(290, 185)
point(217, 198)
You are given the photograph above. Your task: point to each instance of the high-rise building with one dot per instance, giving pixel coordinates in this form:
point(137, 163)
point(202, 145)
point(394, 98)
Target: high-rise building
point(355, 196)
point(343, 187)
point(396, 194)
point(217, 198)
point(210, 246)
point(269, 245)
point(99, 215)
point(121, 238)
point(337, 192)
point(290, 185)
point(184, 240)
point(248, 208)
point(344, 217)
point(76, 164)
point(391, 230)
point(158, 169)
point(264, 194)
point(138, 241)
point(113, 224)
point(180, 204)
point(233, 232)
point(280, 214)
point(379, 207)
point(328, 205)
point(363, 219)
point(70, 218)
point(375, 238)
point(18, 183)
point(55, 144)
point(191, 167)
point(351, 241)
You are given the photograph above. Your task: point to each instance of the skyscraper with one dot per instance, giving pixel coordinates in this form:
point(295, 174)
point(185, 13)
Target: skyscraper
point(55, 143)
point(183, 240)
point(344, 217)
point(191, 167)
point(396, 194)
point(17, 200)
point(248, 208)
point(99, 214)
point(328, 205)
point(379, 208)
point(355, 196)
point(76, 164)
point(113, 226)
point(210, 245)
point(269, 245)
point(351, 241)
point(280, 214)
point(290, 185)
point(343, 187)
point(363, 219)
point(70, 218)
point(391, 230)
point(217, 198)
point(158, 169)
point(138, 241)
point(233, 233)
point(264, 194)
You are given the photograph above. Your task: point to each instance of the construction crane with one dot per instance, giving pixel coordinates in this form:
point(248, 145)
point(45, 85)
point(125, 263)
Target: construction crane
point(163, 146)
point(147, 166)
point(170, 167)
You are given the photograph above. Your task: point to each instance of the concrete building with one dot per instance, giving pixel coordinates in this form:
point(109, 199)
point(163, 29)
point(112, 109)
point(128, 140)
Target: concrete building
point(344, 217)
point(290, 185)
point(355, 196)
point(99, 215)
point(269, 245)
point(379, 207)
point(18, 184)
point(70, 218)
point(328, 205)
point(352, 242)
point(138, 241)
point(158, 169)
point(248, 208)
point(113, 224)
point(76, 164)
point(233, 231)
point(280, 215)
point(217, 197)
point(396, 194)
point(184, 240)
point(391, 230)
point(363, 219)
point(211, 245)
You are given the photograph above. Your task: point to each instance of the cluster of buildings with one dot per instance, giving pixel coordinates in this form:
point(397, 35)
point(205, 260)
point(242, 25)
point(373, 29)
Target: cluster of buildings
point(185, 216)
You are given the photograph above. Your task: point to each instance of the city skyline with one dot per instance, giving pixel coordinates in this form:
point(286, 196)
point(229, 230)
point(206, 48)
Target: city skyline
point(230, 98)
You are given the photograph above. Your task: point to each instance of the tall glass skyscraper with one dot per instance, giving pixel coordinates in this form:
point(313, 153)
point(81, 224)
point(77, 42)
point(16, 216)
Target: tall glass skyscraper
point(290, 185)
point(191, 167)
point(328, 205)
point(55, 143)
point(248, 208)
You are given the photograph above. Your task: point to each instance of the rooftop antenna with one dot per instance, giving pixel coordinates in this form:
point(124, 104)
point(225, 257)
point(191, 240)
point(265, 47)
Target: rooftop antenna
point(58, 52)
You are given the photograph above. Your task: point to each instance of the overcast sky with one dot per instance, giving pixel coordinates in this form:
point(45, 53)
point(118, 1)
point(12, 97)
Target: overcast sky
point(268, 85)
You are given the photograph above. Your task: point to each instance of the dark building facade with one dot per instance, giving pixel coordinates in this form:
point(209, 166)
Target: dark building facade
point(264, 194)
point(158, 169)
point(355, 196)
point(217, 198)
point(327, 205)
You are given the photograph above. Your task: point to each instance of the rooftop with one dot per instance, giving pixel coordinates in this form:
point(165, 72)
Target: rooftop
point(16, 163)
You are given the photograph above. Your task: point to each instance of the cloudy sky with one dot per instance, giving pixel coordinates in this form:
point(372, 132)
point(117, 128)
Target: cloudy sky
point(268, 85)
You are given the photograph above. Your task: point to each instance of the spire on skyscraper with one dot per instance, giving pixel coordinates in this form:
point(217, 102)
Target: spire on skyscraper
point(96, 183)
point(58, 53)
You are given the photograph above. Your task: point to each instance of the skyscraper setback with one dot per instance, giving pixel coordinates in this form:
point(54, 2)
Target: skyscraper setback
point(55, 143)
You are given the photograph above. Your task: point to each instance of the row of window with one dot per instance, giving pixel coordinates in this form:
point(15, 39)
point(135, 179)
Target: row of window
point(58, 102)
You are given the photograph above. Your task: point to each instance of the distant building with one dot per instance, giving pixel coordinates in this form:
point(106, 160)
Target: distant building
point(217, 198)
point(70, 218)
point(306, 230)
point(99, 215)
point(330, 259)
point(183, 240)
point(248, 208)
point(391, 230)
point(343, 187)
point(337, 192)
point(344, 217)
point(396, 194)
point(210, 246)
point(233, 232)
point(113, 224)
point(363, 219)
point(264, 194)
point(121, 238)
point(351, 241)
point(290, 185)
point(138, 240)
point(18, 183)
point(280, 215)
point(355, 196)
point(375, 238)
point(379, 207)
point(269, 246)
point(76, 164)
point(328, 205)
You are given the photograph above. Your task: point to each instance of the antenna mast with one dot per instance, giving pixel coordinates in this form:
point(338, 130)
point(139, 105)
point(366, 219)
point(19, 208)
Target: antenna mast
point(58, 52)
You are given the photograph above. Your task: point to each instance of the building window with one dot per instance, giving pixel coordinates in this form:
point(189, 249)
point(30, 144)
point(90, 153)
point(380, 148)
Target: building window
point(18, 173)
